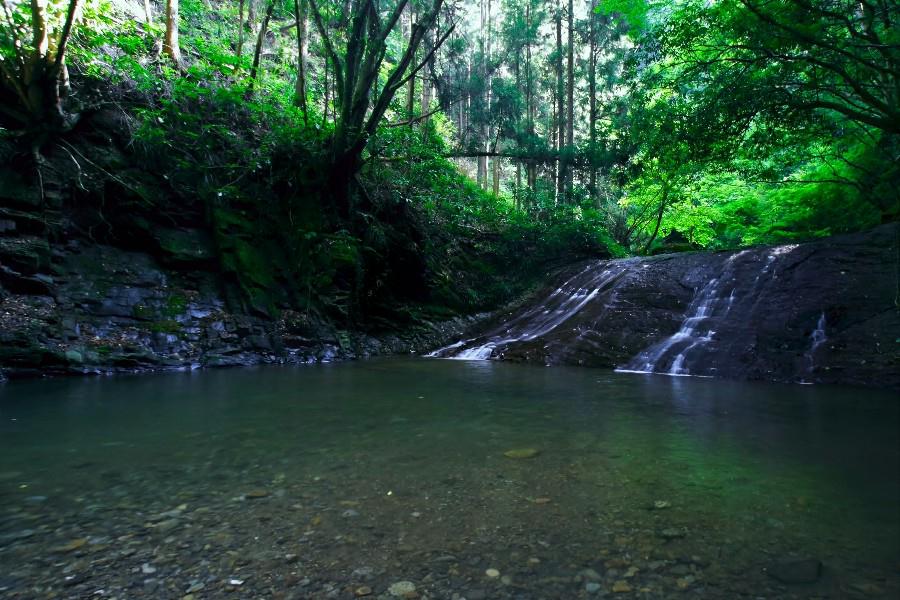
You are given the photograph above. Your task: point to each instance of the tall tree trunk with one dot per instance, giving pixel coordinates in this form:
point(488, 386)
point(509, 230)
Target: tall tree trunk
point(240, 42)
point(485, 134)
point(148, 13)
point(518, 162)
point(300, 86)
point(496, 168)
point(426, 79)
point(411, 91)
point(592, 93)
point(491, 133)
point(325, 94)
point(570, 103)
point(170, 42)
point(530, 169)
point(260, 40)
point(560, 110)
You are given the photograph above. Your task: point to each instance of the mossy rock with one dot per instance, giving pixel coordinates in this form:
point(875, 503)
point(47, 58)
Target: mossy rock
point(27, 255)
point(185, 246)
point(176, 305)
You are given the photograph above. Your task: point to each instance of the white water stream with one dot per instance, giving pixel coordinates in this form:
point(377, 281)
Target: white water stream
point(557, 308)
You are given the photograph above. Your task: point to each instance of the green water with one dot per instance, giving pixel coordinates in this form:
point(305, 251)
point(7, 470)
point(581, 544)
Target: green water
point(375, 472)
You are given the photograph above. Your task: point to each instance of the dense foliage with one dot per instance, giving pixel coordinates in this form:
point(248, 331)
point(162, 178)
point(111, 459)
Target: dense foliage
point(386, 154)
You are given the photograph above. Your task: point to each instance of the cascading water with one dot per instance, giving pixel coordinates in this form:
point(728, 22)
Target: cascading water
point(560, 306)
point(709, 307)
point(690, 335)
point(759, 313)
point(817, 338)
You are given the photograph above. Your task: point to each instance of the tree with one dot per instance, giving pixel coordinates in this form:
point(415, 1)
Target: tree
point(570, 102)
point(33, 74)
point(360, 107)
point(790, 58)
point(260, 40)
point(302, 49)
point(170, 42)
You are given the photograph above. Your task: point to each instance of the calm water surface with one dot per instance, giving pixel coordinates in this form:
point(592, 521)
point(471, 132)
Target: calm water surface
point(331, 481)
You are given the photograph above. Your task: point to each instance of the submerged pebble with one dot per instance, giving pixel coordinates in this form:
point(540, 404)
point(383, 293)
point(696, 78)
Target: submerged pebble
point(401, 589)
point(519, 453)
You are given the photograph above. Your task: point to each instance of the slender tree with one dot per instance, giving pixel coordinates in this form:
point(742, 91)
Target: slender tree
point(240, 40)
point(302, 49)
point(260, 40)
point(570, 103)
point(170, 42)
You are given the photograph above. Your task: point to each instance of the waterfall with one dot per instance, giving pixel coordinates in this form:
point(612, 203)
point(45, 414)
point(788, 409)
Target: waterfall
point(562, 304)
point(818, 335)
point(816, 339)
point(689, 336)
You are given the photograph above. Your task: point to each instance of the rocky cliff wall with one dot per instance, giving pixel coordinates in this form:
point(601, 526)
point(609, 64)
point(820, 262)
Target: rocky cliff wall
point(80, 308)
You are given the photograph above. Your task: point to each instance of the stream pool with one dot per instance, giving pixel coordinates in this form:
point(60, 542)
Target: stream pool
point(342, 480)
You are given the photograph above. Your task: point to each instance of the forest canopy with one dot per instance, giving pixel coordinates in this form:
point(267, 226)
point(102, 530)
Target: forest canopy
point(669, 124)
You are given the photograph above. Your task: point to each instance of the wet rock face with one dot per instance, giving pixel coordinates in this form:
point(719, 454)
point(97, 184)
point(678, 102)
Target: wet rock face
point(92, 308)
point(821, 312)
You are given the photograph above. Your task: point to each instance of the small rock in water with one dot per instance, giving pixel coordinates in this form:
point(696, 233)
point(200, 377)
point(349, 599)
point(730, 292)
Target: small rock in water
point(148, 569)
point(521, 453)
point(256, 494)
point(661, 504)
point(592, 587)
point(402, 589)
point(684, 583)
point(807, 570)
point(621, 587)
point(672, 533)
point(167, 525)
point(73, 545)
point(195, 586)
point(362, 591)
point(364, 573)
point(350, 513)
point(541, 500)
point(492, 573)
